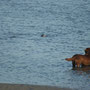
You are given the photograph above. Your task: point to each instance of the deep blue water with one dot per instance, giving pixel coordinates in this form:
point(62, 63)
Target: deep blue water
point(28, 58)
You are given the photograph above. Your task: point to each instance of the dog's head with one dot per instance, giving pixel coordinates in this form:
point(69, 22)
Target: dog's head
point(87, 51)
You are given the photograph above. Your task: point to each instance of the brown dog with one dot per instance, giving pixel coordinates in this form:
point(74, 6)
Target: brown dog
point(79, 60)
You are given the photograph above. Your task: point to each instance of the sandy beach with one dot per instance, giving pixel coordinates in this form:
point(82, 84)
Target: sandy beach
point(28, 87)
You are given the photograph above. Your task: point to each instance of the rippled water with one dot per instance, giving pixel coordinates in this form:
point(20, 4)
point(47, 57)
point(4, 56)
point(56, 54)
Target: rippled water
point(28, 58)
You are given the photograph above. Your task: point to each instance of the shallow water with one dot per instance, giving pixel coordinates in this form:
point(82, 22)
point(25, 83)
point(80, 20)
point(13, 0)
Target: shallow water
point(28, 58)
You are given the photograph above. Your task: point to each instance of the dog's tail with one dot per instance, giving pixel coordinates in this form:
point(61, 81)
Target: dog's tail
point(69, 59)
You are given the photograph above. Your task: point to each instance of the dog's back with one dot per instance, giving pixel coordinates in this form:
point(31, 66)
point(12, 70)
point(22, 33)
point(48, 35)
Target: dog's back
point(79, 59)
point(84, 59)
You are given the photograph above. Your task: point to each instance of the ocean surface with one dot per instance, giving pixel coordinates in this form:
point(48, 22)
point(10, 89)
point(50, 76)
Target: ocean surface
point(28, 58)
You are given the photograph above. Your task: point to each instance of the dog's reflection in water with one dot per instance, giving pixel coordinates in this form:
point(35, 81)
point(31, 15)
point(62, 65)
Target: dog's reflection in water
point(85, 69)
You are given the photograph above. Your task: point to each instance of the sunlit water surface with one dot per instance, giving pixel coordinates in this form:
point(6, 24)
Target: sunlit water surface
point(28, 58)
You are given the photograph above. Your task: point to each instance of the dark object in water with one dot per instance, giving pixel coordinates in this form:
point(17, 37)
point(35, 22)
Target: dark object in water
point(43, 35)
point(13, 37)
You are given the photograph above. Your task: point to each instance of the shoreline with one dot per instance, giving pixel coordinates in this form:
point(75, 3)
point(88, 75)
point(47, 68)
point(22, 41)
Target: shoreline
point(7, 86)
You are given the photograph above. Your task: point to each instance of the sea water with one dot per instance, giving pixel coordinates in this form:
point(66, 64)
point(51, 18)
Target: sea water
point(28, 58)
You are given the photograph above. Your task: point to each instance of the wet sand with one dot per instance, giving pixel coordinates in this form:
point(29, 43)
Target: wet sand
point(28, 87)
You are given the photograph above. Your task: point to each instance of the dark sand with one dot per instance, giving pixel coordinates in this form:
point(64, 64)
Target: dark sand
point(28, 87)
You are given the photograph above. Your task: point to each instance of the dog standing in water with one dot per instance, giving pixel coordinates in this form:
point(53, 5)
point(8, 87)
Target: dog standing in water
point(80, 60)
